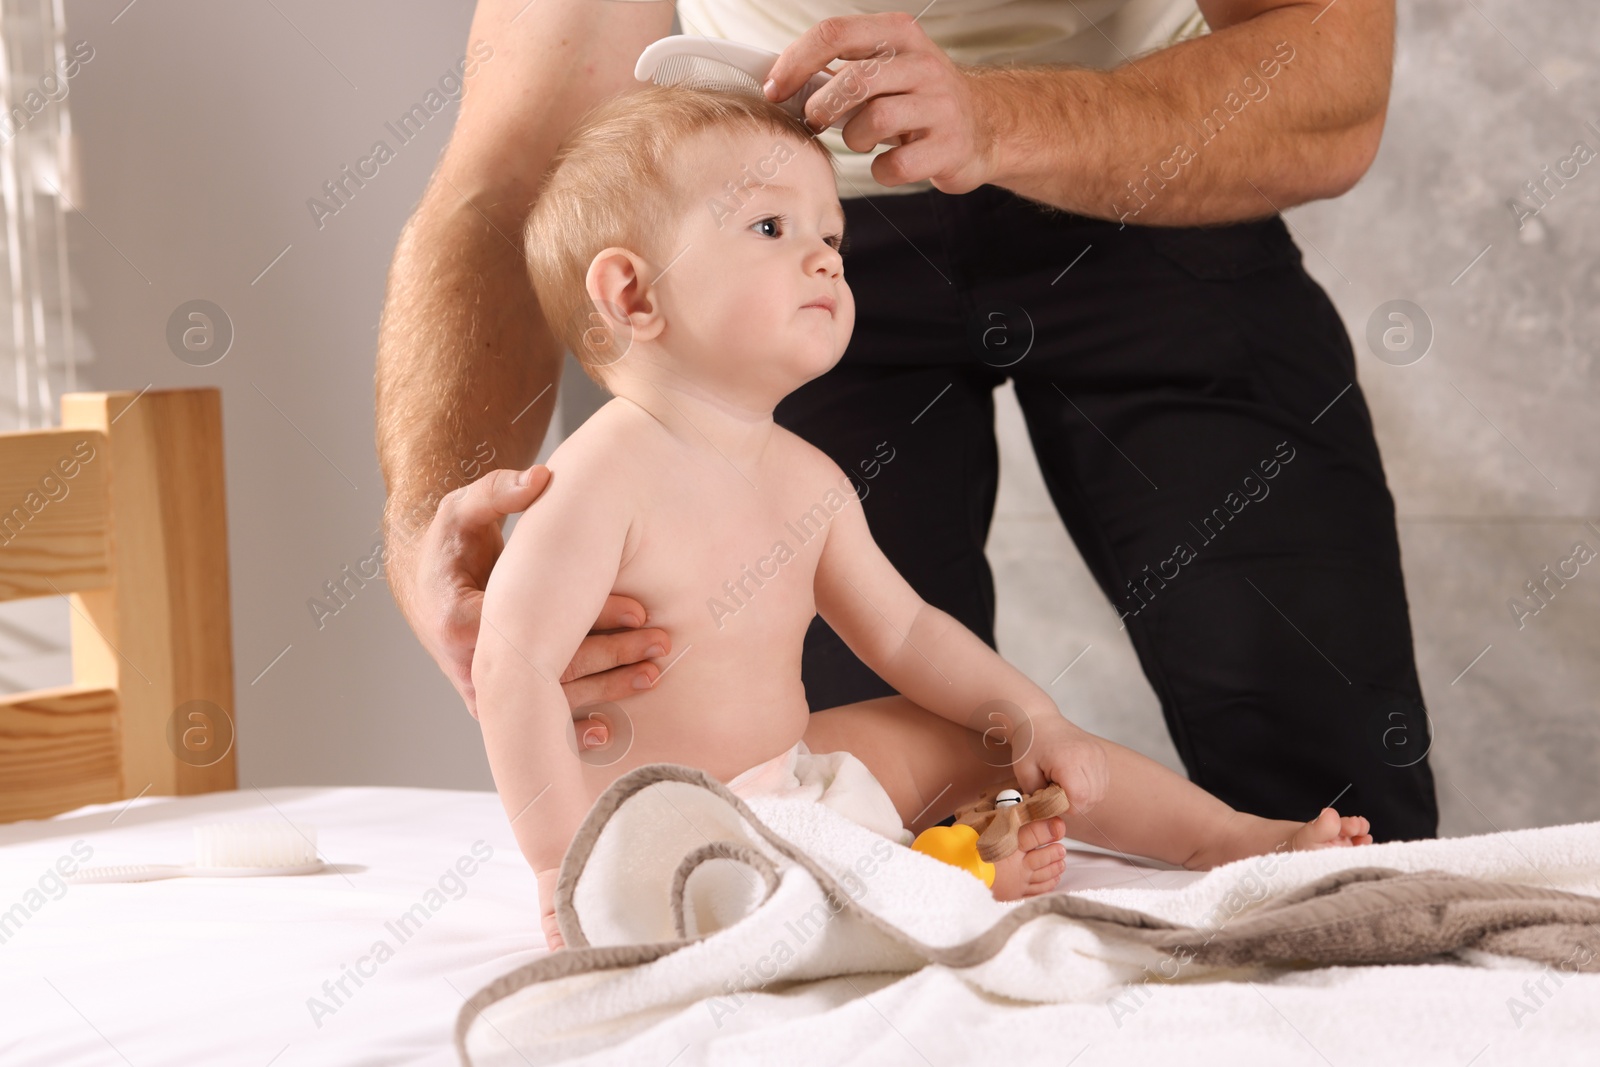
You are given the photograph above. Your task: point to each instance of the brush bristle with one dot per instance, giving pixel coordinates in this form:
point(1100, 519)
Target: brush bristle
point(262, 844)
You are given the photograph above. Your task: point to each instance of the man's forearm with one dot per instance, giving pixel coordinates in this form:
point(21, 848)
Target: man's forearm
point(462, 353)
point(1248, 120)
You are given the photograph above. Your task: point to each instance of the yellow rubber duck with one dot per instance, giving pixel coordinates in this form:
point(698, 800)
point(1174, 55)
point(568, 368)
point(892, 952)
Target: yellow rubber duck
point(958, 846)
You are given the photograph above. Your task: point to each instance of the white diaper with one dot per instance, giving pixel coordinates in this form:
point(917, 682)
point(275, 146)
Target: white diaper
point(837, 779)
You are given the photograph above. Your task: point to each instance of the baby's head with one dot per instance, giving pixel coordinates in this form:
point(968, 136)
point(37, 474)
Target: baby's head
point(682, 232)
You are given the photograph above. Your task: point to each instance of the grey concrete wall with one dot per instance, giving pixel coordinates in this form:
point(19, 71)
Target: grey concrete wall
point(207, 127)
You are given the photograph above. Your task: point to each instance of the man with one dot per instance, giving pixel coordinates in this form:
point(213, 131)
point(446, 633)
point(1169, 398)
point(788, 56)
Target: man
point(1102, 232)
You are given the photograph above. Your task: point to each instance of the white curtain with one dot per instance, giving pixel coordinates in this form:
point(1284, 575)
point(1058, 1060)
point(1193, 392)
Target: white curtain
point(37, 331)
point(39, 339)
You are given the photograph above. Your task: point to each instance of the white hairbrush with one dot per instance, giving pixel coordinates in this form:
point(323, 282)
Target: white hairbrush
point(718, 63)
point(225, 850)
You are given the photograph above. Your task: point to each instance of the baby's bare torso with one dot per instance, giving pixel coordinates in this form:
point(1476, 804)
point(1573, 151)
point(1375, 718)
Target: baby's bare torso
point(724, 562)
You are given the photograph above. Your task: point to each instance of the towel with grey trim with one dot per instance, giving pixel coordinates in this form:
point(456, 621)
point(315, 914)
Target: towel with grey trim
point(677, 893)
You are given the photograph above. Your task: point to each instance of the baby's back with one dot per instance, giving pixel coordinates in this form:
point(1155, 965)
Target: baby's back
point(724, 561)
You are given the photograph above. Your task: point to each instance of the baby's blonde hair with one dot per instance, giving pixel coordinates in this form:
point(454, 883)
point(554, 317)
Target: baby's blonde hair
point(611, 183)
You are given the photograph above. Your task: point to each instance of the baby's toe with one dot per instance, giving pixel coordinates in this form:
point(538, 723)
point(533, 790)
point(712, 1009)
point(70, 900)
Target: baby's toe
point(1046, 881)
point(1045, 873)
point(1041, 831)
point(1039, 858)
point(1319, 832)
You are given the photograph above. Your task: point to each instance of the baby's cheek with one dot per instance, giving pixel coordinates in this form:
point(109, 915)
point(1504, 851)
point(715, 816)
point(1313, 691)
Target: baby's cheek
point(730, 323)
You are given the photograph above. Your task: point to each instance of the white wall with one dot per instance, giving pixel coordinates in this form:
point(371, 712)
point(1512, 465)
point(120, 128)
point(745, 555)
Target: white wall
point(205, 129)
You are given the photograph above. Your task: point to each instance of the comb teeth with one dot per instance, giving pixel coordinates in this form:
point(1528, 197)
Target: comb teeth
point(699, 72)
point(130, 872)
point(243, 844)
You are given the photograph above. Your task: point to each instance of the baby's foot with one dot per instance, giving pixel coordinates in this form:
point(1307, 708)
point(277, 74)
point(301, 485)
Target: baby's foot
point(1329, 830)
point(1037, 864)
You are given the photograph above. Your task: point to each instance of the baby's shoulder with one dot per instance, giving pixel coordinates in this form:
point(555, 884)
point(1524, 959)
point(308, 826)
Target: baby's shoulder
point(815, 476)
point(593, 488)
point(611, 440)
point(601, 460)
point(805, 460)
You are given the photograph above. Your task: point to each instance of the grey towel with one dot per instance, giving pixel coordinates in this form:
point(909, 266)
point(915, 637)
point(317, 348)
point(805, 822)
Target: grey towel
point(1371, 915)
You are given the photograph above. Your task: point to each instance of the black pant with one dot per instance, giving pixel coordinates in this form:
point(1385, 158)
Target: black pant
point(1190, 395)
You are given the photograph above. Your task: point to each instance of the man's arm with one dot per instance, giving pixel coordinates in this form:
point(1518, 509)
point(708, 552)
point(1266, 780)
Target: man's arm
point(1283, 102)
point(466, 366)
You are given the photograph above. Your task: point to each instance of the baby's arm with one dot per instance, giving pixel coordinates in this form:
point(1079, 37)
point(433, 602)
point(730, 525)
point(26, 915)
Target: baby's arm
point(936, 662)
point(546, 589)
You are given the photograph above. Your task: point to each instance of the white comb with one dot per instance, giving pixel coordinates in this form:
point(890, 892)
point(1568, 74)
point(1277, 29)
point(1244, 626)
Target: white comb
point(225, 850)
point(718, 63)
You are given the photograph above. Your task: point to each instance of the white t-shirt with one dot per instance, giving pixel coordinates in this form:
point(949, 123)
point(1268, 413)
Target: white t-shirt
point(1100, 34)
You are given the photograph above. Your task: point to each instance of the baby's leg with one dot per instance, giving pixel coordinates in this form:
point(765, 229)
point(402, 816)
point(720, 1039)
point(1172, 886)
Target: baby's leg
point(930, 766)
point(1150, 811)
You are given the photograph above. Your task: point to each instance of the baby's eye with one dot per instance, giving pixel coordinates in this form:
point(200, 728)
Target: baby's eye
point(771, 220)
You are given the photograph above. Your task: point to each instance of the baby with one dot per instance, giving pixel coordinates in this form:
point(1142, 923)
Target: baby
point(685, 245)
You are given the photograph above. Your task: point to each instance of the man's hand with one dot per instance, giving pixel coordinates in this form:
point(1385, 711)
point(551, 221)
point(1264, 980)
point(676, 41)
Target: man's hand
point(441, 594)
point(1067, 755)
point(916, 97)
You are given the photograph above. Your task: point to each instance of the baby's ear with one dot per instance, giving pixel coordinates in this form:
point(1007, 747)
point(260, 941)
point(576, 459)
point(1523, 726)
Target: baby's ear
point(625, 302)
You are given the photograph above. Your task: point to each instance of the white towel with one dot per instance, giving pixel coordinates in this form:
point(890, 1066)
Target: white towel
point(836, 779)
point(706, 929)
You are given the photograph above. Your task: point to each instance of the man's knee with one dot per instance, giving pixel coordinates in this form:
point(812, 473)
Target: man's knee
point(1293, 683)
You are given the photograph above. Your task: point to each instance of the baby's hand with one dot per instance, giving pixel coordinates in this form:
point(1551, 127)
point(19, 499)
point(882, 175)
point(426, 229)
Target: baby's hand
point(1069, 756)
point(547, 908)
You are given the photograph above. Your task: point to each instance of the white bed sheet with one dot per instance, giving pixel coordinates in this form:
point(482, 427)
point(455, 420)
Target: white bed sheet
point(202, 971)
point(210, 971)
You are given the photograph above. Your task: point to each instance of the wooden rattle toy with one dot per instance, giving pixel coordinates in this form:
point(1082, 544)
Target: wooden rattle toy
point(999, 813)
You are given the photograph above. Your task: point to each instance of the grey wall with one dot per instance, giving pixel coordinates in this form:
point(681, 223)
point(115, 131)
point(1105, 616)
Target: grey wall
point(205, 128)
